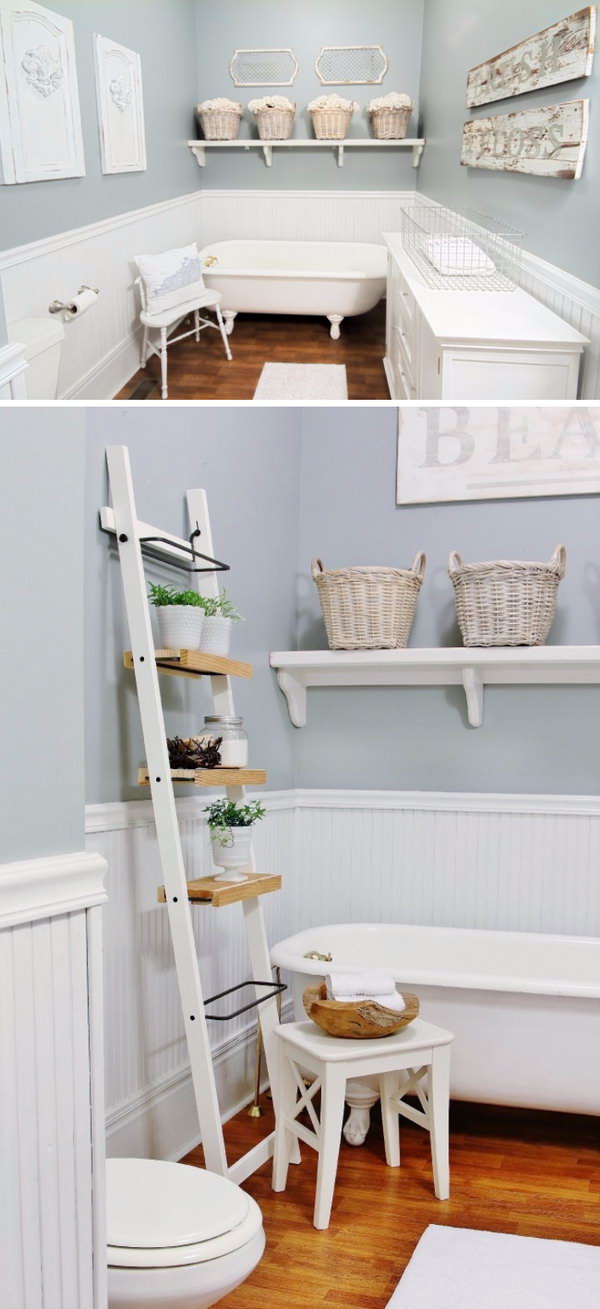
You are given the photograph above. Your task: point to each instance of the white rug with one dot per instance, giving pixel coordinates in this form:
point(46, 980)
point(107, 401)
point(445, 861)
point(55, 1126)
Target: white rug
point(457, 1268)
point(302, 382)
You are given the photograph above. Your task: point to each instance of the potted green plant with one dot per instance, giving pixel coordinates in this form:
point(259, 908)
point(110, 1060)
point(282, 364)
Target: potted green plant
point(219, 616)
point(180, 616)
point(230, 828)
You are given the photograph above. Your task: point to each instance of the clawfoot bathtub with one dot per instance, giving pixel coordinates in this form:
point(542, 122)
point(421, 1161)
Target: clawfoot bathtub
point(525, 1008)
point(338, 279)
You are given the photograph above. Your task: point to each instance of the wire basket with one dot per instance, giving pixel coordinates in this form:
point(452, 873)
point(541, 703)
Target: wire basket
point(506, 602)
point(220, 124)
point(331, 124)
point(390, 124)
point(461, 249)
point(368, 608)
point(275, 124)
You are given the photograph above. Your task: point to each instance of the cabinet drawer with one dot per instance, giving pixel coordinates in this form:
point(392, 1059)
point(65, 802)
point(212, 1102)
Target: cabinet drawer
point(405, 344)
point(404, 378)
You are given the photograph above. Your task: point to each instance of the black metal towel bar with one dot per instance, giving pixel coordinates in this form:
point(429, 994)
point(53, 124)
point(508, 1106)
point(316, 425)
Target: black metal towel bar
point(166, 557)
point(275, 989)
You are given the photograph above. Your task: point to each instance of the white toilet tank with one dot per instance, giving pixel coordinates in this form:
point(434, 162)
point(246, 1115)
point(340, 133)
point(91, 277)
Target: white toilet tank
point(42, 338)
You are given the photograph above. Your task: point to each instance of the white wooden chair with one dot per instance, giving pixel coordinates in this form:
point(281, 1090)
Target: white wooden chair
point(162, 323)
point(401, 1062)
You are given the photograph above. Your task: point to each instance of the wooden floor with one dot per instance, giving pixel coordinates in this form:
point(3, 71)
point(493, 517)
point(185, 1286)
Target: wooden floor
point(201, 371)
point(533, 1174)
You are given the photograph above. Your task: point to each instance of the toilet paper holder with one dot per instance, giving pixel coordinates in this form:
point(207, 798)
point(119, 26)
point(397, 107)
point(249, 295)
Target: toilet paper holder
point(57, 306)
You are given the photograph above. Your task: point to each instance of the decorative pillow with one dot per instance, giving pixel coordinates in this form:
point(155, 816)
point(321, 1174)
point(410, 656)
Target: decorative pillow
point(172, 278)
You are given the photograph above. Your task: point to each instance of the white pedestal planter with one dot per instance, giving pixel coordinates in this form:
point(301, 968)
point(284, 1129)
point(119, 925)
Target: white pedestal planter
point(232, 858)
point(180, 626)
point(216, 635)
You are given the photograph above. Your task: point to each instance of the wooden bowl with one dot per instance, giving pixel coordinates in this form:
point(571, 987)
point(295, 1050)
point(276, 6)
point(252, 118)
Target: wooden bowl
point(360, 1020)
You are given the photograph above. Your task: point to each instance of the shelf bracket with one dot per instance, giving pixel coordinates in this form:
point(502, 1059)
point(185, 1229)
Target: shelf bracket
point(295, 693)
point(417, 153)
point(473, 684)
point(268, 153)
point(340, 155)
point(199, 153)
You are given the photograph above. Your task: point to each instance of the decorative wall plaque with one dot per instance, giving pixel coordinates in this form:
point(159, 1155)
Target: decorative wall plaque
point(558, 54)
point(351, 65)
point(549, 141)
point(40, 123)
point(263, 68)
point(448, 454)
point(120, 107)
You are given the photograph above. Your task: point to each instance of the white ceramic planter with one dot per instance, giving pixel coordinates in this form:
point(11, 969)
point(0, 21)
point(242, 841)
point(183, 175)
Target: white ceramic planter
point(180, 626)
point(216, 635)
point(231, 858)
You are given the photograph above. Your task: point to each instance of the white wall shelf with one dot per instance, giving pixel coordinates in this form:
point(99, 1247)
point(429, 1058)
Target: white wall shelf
point(416, 144)
point(473, 669)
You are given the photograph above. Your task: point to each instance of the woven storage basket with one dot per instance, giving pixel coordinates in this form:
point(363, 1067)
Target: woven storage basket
point(368, 608)
point(331, 124)
point(506, 602)
point(275, 124)
point(390, 124)
point(220, 124)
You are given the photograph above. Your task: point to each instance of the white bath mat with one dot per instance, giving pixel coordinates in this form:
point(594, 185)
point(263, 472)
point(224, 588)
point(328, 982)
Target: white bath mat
point(458, 1268)
point(302, 382)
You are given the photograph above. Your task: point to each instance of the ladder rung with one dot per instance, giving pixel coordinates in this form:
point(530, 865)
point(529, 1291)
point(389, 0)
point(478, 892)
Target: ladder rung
point(206, 890)
point(193, 663)
point(211, 776)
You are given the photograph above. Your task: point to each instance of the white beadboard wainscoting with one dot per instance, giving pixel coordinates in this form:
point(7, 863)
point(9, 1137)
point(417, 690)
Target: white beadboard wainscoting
point(102, 350)
point(514, 862)
point(51, 1075)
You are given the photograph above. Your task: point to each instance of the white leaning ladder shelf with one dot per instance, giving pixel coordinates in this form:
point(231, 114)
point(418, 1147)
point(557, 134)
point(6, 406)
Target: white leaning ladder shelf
point(134, 538)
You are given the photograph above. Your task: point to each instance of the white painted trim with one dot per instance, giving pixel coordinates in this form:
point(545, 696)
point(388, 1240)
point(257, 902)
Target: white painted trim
point(114, 816)
point(20, 254)
point(111, 374)
point(13, 366)
point(583, 293)
point(41, 888)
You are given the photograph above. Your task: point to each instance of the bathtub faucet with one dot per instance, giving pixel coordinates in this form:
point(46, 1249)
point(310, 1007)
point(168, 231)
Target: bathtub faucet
point(314, 954)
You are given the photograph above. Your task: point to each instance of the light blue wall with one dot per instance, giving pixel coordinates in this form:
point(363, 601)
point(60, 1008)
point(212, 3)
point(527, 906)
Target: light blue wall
point(163, 31)
point(3, 331)
point(534, 739)
point(41, 653)
point(224, 25)
point(248, 461)
point(559, 217)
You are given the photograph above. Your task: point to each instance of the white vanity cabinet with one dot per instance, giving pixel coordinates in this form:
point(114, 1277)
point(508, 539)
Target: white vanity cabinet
point(473, 345)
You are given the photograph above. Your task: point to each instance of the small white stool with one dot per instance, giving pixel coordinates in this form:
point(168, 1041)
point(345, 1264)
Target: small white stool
point(419, 1049)
point(163, 322)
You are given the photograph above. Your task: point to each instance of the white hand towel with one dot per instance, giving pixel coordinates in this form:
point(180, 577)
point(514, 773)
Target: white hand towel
point(456, 256)
point(370, 982)
point(394, 1001)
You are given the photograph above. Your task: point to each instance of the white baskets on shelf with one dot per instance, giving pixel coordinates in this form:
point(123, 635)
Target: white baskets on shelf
point(220, 124)
point(368, 608)
point(390, 124)
point(331, 124)
point(275, 124)
point(506, 602)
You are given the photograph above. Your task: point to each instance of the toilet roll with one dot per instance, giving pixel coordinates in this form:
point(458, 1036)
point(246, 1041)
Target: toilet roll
point(81, 303)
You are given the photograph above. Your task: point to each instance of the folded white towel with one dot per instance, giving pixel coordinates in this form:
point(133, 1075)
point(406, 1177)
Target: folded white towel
point(371, 982)
point(457, 256)
point(394, 1001)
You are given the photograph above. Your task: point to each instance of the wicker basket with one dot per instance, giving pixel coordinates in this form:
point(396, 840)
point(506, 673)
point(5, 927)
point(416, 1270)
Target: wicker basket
point(220, 124)
point(362, 1020)
point(331, 124)
point(506, 602)
point(368, 608)
point(390, 124)
point(275, 124)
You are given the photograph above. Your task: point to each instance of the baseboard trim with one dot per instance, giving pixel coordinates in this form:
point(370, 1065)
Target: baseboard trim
point(111, 374)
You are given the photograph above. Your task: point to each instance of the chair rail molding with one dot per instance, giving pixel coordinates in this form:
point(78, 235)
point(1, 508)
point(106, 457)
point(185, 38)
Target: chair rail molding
point(59, 884)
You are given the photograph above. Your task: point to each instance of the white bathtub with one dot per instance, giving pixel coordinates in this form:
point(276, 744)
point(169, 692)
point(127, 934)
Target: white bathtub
point(525, 1009)
point(336, 279)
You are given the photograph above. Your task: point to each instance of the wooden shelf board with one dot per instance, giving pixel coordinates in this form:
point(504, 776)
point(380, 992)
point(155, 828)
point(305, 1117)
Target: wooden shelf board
point(194, 663)
point(211, 776)
point(205, 890)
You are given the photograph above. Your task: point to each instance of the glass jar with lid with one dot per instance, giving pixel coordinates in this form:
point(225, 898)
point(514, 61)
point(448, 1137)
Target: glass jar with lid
point(234, 739)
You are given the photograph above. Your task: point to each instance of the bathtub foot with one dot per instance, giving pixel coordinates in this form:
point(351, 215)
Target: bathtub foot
point(230, 316)
point(335, 320)
point(360, 1098)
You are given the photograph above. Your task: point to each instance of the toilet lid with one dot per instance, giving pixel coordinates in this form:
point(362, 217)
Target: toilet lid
point(153, 1204)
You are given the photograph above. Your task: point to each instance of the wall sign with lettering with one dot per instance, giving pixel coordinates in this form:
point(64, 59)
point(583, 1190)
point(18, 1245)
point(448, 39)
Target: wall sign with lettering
point(549, 141)
point(448, 454)
point(558, 54)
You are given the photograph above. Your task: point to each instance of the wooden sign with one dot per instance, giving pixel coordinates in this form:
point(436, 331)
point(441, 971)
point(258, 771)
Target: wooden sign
point(463, 453)
point(549, 141)
point(558, 54)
